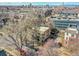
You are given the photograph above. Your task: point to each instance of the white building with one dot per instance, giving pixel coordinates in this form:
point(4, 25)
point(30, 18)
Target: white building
point(71, 38)
point(44, 32)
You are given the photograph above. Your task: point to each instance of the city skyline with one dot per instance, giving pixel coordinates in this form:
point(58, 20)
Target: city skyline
point(39, 3)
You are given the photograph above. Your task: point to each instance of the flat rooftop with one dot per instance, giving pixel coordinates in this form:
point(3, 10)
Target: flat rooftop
point(43, 29)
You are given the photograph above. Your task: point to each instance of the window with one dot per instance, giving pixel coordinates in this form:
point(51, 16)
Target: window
point(66, 38)
point(67, 33)
point(71, 39)
point(66, 42)
point(73, 35)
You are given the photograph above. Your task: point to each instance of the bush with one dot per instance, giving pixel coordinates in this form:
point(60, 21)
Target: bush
point(54, 33)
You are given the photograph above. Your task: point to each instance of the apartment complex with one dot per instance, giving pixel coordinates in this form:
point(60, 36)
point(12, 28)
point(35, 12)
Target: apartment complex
point(64, 17)
point(67, 20)
point(63, 24)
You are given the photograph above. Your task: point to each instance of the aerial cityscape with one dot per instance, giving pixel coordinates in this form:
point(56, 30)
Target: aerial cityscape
point(39, 28)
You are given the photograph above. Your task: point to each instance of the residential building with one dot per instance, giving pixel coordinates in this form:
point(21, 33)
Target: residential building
point(71, 39)
point(63, 24)
point(44, 33)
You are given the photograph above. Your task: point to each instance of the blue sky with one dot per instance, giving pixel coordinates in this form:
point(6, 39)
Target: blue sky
point(37, 3)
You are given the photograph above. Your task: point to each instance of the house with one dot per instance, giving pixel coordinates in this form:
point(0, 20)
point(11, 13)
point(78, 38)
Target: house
point(71, 38)
point(44, 33)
